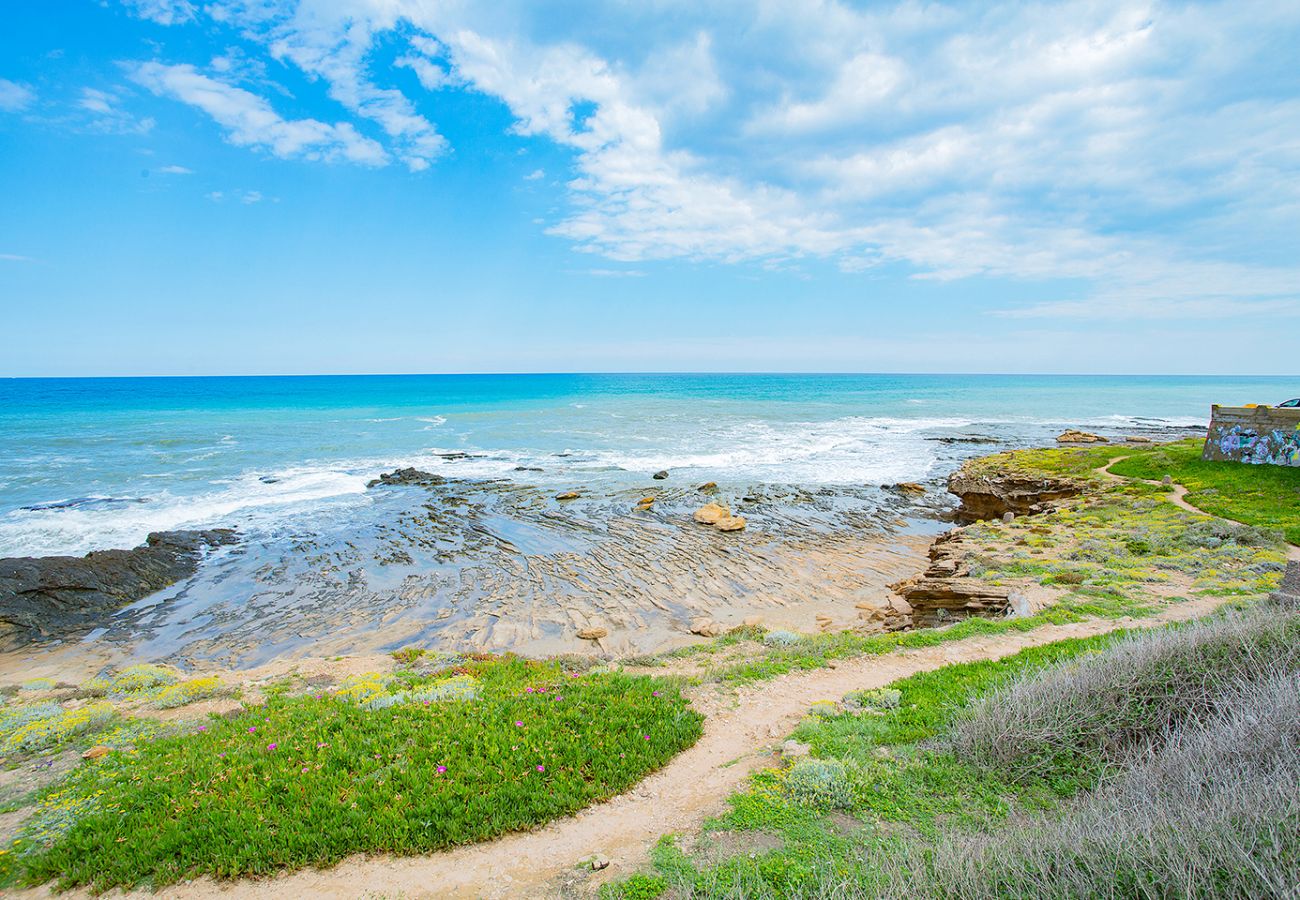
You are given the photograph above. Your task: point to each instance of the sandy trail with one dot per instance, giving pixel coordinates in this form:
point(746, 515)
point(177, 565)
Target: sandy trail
point(739, 734)
point(1178, 497)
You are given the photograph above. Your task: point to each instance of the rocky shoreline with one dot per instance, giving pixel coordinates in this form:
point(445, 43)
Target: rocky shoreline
point(53, 597)
point(498, 565)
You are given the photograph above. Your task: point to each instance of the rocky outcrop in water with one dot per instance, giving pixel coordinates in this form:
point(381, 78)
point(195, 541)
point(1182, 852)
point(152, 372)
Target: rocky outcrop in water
point(407, 476)
point(946, 590)
point(991, 496)
point(46, 597)
point(1074, 436)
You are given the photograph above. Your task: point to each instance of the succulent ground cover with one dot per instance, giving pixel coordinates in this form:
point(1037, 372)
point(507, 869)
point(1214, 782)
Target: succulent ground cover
point(398, 762)
point(1149, 765)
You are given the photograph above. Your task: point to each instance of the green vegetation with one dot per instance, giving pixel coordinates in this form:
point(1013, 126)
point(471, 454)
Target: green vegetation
point(399, 763)
point(985, 780)
point(1263, 496)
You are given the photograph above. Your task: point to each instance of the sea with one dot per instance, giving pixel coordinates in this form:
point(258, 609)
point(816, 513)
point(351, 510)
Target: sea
point(94, 463)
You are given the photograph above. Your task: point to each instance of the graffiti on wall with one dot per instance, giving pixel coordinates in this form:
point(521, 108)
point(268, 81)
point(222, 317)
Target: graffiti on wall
point(1258, 436)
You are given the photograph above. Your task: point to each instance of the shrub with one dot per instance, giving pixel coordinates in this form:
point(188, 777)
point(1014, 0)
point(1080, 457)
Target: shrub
point(781, 638)
point(1102, 707)
point(822, 783)
point(879, 699)
point(44, 726)
point(185, 692)
point(139, 679)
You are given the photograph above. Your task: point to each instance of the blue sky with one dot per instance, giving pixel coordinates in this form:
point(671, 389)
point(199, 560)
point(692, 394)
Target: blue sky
point(257, 186)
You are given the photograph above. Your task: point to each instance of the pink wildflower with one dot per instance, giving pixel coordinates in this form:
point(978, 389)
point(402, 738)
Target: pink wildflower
point(645, 737)
point(519, 724)
point(252, 729)
point(541, 768)
point(203, 728)
point(271, 746)
point(528, 690)
point(442, 769)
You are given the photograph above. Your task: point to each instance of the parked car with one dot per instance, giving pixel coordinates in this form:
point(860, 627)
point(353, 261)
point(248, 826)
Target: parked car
point(1291, 404)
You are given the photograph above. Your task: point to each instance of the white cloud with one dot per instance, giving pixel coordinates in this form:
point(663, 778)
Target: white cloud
point(535, 175)
point(1148, 152)
point(108, 116)
point(14, 97)
point(250, 121)
point(250, 197)
point(164, 12)
point(14, 257)
point(176, 170)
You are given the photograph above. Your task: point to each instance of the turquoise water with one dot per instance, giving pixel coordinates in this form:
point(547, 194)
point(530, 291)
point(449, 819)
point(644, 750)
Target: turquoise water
point(91, 463)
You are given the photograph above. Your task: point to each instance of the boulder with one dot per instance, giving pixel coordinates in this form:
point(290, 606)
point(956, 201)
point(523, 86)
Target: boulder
point(52, 597)
point(709, 487)
point(910, 487)
point(793, 749)
point(1074, 436)
point(593, 633)
point(711, 514)
point(731, 523)
point(96, 752)
point(705, 627)
point(407, 476)
point(645, 503)
point(568, 495)
point(660, 475)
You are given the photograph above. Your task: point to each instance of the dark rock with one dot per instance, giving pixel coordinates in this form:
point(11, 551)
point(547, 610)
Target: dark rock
point(54, 596)
point(660, 475)
point(408, 476)
point(529, 469)
point(965, 439)
point(993, 496)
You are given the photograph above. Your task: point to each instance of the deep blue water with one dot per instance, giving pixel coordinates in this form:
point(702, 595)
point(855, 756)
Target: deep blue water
point(111, 459)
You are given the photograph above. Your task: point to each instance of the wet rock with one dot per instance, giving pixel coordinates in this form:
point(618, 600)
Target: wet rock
point(1074, 436)
point(711, 514)
point(645, 503)
point(990, 496)
point(49, 597)
point(529, 469)
point(705, 627)
point(407, 476)
point(568, 495)
point(709, 487)
point(965, 439)
point(660, 475)
point(910, 487)
point(593, 633)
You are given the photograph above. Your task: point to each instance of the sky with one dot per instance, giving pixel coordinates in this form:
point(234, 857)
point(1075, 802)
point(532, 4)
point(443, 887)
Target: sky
point(349, 186)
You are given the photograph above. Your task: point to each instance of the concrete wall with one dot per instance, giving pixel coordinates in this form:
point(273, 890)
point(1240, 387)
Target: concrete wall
point(1254, 434)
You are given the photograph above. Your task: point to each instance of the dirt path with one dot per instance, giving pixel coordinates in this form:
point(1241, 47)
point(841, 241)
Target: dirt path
point(1178, 497)
point(739, 735)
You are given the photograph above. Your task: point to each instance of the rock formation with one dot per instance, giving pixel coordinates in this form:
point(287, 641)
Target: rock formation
point(992, 496)
point(946, 590)
point(1073, 436)
point(49, 597)
point(407, 476)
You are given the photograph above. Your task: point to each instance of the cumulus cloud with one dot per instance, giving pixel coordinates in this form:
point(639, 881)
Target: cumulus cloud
point(1147, 152)
point(250, 121)
point(14, 97)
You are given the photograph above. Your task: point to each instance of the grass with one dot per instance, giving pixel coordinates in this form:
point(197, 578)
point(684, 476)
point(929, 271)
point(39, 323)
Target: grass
point(308, 780)
point(951, 796)
point(1262, 496)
